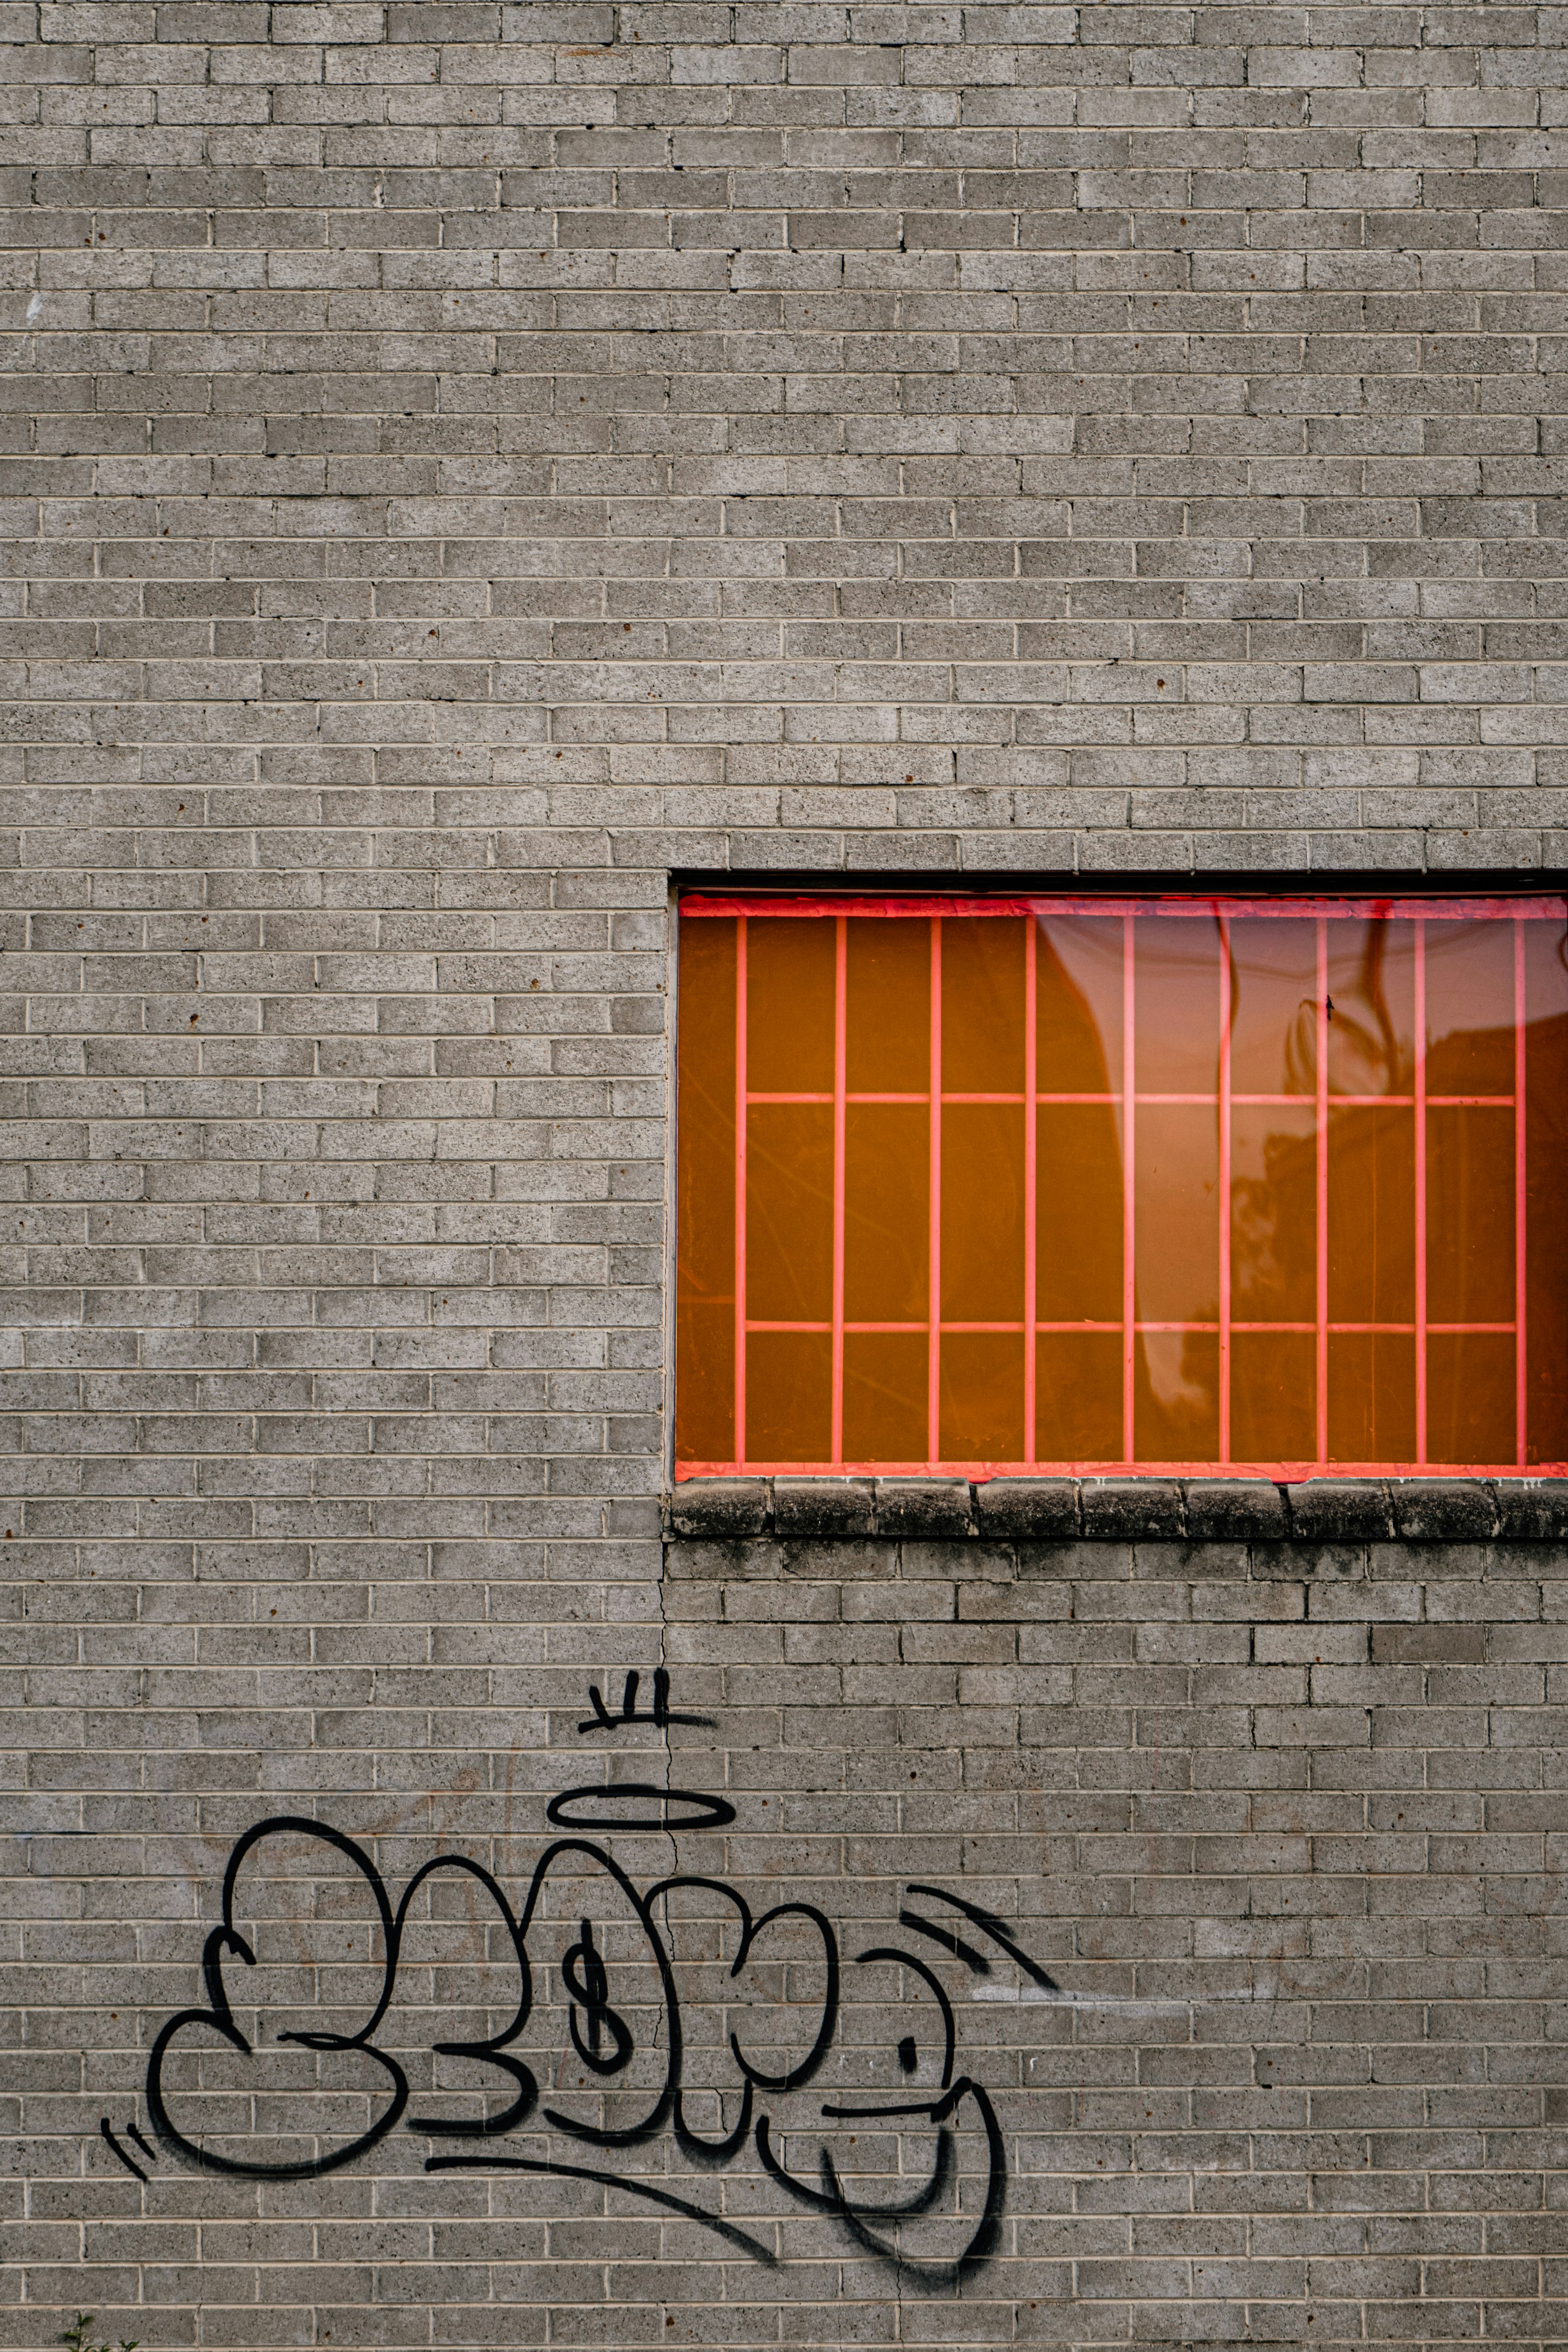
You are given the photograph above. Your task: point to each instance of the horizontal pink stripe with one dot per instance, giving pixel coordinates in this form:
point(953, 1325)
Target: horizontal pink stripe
point(1281, 1472)
point(1247, 1102)
point(946, 1096)
point(1394, 1329)
point(1496, 908)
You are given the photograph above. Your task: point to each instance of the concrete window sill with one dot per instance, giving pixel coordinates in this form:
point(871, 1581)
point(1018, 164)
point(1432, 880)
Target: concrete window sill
point(1122, 1510)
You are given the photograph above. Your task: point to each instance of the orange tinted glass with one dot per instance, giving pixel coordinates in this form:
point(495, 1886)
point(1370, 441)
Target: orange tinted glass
point(1200, 1185)
point(705, 1116)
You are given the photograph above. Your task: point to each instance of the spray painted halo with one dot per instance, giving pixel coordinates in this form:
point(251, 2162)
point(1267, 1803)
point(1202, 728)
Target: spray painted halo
point(703, 1812)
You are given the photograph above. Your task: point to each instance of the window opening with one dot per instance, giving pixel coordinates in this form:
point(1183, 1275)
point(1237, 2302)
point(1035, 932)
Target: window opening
point(1067, 1184)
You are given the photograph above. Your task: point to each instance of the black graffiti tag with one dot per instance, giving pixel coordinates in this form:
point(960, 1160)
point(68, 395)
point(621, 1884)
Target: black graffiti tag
point(605, 2040)
point(588, 1991)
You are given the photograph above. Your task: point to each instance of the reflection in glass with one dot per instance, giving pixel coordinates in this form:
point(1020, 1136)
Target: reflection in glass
point(1327, 1225)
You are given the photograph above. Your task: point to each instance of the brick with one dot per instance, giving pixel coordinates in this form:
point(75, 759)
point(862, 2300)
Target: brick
point(822, 1507)
point(1339, 1510)
point(1128, 1509)
point(1222, 1508)
point(712, 1508)
point(1437, 1510)
point(1532, 1509)
point(917, 1508)
point(464, 465)
point(1038, 1510)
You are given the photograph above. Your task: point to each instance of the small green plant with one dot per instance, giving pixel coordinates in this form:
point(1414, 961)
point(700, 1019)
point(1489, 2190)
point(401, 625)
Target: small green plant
point(79, 2337)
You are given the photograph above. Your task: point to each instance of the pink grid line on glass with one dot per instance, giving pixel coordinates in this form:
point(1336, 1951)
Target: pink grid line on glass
point(1146, 1094)
point(1029, 1098)
point(1128, 1198)
point(840, 1075)
point(1321, 1269)
point(1420, 1026)
point(1144, 1323)
point(934, 1263)
point(1202, 906)
point(740, 1144)
point(1521, 1359)
point(1031, 1173)
point(1226, 1009)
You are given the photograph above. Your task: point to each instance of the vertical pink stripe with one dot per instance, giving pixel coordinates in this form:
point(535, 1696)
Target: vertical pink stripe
point(1031, 1216)
point(840, 1083)
point(1322, 1358)
point(1420, 930)
point(740, 1188)
point(933, 1303)
point(1521, 1359)
point(1128, 1198)
point(1225, 980)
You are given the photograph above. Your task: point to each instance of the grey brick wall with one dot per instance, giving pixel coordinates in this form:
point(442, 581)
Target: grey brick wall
point(461, 463)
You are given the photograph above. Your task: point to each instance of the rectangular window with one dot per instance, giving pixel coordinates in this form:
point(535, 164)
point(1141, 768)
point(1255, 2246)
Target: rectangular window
point(1071, 1183)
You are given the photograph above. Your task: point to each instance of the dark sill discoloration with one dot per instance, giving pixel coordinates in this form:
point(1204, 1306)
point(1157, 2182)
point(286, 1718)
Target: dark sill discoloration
point(1320, 1511)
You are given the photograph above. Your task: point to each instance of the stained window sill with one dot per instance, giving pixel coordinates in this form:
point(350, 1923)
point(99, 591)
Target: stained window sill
point(1124, 1510)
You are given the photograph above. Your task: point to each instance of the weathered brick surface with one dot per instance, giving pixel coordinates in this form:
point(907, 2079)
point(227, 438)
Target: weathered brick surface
point(460, 463)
